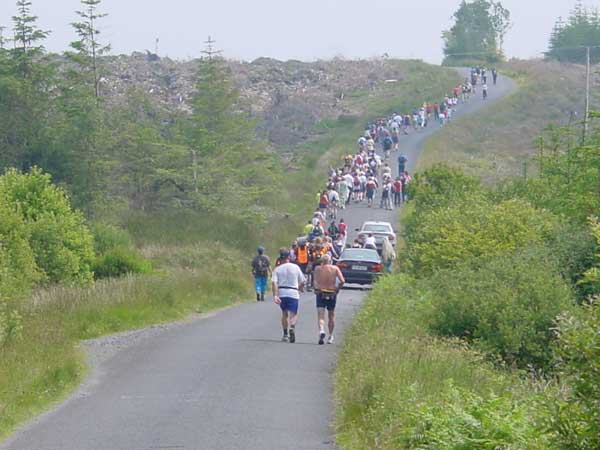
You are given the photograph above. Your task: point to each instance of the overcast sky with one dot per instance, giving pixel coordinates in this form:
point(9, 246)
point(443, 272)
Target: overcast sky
point(285, 29)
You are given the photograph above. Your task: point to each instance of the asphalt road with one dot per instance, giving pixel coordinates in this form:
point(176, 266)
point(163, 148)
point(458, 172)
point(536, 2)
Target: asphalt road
point(224, 382)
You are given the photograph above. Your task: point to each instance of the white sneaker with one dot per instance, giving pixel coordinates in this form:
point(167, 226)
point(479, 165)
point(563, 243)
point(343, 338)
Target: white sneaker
point(331, 340)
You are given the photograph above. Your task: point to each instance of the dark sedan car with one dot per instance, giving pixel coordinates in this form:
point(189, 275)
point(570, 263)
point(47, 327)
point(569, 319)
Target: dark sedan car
point(360, 265)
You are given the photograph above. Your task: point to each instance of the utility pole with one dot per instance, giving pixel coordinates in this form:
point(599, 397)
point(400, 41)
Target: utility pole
point(195, 169)
point(587, 95)
point(156, 46)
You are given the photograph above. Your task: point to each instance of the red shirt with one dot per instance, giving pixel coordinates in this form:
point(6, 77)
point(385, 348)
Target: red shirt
point(342, 227)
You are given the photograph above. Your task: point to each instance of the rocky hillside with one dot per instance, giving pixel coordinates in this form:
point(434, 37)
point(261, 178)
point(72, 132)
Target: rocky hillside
point(289, 98)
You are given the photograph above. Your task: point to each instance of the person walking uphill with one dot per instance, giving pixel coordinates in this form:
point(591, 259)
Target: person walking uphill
point(328, 281)
point(261, 268)
point(287, 282)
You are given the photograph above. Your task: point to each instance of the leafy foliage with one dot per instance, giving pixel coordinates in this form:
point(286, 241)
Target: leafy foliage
point(116, 255)
point(506, 305)
point(576, 416)
point(120, 261)
point(445, 237)
point(477, 33)
point(58, 236)
point(18, 270)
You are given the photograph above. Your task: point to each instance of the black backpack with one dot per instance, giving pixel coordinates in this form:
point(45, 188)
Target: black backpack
point(262, 265)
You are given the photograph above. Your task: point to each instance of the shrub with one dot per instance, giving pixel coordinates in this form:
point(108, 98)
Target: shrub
point(18, 270)
point(58, 236)
point(505, 304)
point(441, 186)
point(575, 249)
point(576, 416)
point(444, 237)
point(108, 237)
point(120, 261)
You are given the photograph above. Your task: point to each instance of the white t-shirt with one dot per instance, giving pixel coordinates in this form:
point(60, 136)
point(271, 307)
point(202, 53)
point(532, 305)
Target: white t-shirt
point(370, 240)
point(288, 275)
point(349, 179)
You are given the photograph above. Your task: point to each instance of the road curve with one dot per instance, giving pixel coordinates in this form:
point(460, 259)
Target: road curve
point(223, 382)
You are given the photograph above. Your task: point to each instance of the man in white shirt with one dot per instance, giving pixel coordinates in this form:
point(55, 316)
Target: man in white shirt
point(287, 282)
point(370, 242)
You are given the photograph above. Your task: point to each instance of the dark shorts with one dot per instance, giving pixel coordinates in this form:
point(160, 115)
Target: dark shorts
point(289, 304)
point(303, 267)
point(326, 300)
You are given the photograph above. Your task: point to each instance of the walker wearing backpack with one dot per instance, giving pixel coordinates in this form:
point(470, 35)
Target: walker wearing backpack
point(261, 266)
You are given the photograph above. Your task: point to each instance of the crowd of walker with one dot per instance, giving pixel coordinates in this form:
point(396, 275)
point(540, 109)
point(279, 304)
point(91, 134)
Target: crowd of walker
point(310, 261)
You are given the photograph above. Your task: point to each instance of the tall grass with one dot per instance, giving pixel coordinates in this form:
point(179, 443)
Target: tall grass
point(46, 363)
point(397, 387)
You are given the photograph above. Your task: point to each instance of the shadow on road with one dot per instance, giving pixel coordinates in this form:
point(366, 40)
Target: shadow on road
point(357, 288)
point(278, 341)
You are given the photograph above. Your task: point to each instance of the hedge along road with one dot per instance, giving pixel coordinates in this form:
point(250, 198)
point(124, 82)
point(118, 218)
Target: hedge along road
point(220, 382)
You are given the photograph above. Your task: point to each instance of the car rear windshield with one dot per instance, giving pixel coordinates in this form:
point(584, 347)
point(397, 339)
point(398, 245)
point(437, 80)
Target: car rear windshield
point(359, 255)
point(378, 228)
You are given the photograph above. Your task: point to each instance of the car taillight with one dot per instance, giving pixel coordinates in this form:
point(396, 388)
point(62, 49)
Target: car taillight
point(377, 267)
point(342, 265)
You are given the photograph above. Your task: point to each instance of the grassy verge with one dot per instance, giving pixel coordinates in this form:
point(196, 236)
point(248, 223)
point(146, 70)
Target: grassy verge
point(500, 141)
point(46, 364)
point(398, 387)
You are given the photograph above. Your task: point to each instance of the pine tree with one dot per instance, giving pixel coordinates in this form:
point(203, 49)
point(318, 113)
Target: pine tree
point(28, 38)
point(89, 48)
point(222, 140)
point(2, 38)
point(570, 38)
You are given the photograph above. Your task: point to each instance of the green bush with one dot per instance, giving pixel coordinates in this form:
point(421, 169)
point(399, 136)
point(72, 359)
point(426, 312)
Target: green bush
point(575, 249)
point(108, 237)
point(441, 186)
point(576, 414)
point(506, 305)
point(18, 270)
point(475, 227)
point(58, 236)
point(120, 261)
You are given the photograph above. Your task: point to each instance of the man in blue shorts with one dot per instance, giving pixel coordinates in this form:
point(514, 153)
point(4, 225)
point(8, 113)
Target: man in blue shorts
point(288, 282)
point(328, 281)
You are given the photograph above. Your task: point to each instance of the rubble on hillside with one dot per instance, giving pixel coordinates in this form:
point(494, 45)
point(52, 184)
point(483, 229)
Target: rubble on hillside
point(288, 97)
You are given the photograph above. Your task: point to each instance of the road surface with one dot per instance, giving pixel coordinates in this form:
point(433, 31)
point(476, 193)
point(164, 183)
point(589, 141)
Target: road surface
point(225, 382)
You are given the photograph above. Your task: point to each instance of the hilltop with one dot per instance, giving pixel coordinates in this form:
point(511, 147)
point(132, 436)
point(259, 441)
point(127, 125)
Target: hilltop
point(287, 97)
point(503, 141)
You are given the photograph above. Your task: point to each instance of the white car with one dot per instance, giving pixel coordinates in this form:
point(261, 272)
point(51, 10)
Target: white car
point(379, 230)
